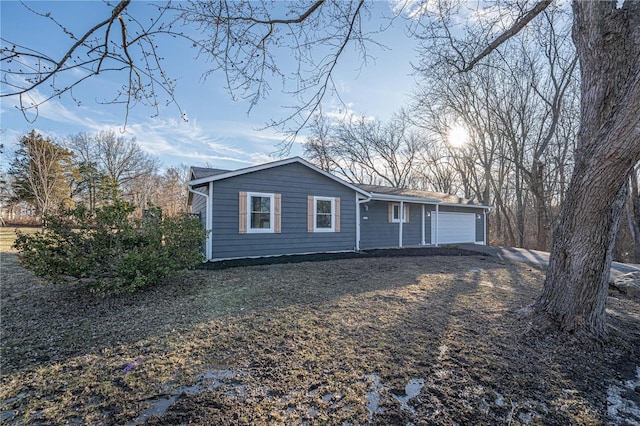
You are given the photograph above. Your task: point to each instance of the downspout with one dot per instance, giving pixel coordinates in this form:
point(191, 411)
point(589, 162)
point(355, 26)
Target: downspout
point(208, 223)
point(358, 203)
point(485, 227)
point(401, 214)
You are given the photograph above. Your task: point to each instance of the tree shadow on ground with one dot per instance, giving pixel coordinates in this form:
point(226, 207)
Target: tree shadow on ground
point(309, 337)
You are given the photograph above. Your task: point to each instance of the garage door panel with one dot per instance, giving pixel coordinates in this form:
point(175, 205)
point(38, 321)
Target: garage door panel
point(456, 228)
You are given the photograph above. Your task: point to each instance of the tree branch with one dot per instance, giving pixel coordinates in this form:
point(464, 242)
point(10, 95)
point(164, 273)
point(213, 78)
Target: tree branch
point(513, 30)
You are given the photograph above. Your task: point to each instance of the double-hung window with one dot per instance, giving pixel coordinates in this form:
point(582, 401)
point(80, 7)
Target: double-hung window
point(259, 212)
point(323, 214)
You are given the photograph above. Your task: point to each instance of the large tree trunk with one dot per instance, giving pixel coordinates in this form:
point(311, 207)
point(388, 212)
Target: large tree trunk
point(633, 214)
point(608, 45)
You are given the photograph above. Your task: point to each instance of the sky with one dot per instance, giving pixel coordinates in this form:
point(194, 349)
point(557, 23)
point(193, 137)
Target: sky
point(219, 132)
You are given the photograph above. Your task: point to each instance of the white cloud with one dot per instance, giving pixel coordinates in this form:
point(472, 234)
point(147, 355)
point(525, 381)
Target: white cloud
point(346, 113)
point(224, 144)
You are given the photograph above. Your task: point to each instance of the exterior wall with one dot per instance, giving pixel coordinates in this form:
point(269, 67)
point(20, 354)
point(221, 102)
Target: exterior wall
point(377, 232)
point(294, 182)
point(199, 205)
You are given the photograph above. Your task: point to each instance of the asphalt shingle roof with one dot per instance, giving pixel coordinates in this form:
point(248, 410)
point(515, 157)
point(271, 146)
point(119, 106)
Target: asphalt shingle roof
point(202, 172)
point(404, 192)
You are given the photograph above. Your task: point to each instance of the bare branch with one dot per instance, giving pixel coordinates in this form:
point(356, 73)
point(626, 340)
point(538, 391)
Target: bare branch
point(513, 30)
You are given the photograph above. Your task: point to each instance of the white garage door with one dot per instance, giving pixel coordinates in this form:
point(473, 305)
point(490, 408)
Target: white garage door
point(454, 228)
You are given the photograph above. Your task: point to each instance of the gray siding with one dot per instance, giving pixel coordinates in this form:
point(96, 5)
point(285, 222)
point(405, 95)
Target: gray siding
point(294, 182)
point(480, 228)
point(377, 232)
point(199, 205)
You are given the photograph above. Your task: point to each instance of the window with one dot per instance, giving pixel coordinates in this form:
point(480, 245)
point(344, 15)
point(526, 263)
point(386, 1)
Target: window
point(259, 212)
point(323, 214)
point(394, 213)
point(324, 218)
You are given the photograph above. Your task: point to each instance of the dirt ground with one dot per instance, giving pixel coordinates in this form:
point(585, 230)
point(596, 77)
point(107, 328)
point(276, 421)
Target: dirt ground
point(422, 339)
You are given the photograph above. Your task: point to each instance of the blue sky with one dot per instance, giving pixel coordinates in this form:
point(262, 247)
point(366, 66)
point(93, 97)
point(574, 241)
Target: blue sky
point(219, 131)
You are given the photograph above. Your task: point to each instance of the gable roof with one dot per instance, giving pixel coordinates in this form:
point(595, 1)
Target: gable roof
point(390, 193)
point(204, 175)
point(203, 172)
point(212, 175)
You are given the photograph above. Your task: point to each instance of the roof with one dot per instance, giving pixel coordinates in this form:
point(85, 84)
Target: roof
point(202, 172)
point(378, 191)
point(212, 175)
point(203, 175)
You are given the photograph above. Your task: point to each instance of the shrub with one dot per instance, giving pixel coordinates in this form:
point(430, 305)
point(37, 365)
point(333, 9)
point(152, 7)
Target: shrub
point(109, 251)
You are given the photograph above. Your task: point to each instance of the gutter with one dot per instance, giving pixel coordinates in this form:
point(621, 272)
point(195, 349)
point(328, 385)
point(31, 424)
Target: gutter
point(385, 197)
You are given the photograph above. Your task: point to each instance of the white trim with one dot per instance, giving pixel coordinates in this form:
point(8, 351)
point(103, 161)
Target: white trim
point(437, 225)
point(208, 220)
point(278, 163)
point(271, 228)
point(315, 214)
point(485, 228)
point(400, 209)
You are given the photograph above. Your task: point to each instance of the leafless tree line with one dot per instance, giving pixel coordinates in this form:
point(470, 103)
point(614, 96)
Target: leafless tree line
point(89, 169)
point(521, 109)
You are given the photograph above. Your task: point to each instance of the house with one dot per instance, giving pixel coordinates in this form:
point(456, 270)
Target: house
point(293, 207)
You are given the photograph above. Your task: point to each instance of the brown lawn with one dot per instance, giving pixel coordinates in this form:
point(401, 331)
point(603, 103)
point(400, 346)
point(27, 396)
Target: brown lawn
point(393, 340)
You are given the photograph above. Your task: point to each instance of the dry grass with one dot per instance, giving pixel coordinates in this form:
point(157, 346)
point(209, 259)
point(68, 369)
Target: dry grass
point(306, 341)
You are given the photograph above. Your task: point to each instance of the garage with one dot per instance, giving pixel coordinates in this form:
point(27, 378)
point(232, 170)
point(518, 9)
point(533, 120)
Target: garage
point(454, 228)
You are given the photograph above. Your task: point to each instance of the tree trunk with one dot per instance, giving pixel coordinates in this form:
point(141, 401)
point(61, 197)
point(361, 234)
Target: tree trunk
point(608, 45)
point(633, 214)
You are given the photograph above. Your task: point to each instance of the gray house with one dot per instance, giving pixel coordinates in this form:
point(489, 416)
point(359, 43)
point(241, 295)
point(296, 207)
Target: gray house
point(293, 207)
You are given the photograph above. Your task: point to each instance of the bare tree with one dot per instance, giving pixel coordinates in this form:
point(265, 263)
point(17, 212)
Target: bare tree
point(109, 165)
point(40, 171)
point(575, 289)
point(367, 150)
point(238, 38)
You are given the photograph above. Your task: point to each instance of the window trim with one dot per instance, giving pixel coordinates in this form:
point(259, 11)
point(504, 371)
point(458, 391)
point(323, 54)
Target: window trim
point(315, 214)
point(271, 229)
point(394, 219)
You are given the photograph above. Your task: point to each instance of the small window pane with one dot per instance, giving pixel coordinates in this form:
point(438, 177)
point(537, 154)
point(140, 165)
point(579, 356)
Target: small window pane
point(261, 204)
point(323, 221)
point(260, 220)
point(260, 212)
point(323, 206)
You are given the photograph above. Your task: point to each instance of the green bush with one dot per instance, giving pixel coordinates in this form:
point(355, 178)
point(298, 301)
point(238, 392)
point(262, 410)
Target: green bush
point(109, 251)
